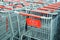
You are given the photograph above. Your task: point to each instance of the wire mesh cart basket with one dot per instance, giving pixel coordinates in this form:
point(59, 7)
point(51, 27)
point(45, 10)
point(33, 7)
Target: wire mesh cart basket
point(40, 27)
point(8, 25)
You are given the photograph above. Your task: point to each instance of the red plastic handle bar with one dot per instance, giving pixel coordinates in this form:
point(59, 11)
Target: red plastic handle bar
point(9, 8)
point(32, 15)
point(57, 5)
point(47, 9)
point(2, 6)
point(54, 5)
point(51, 7)
point(39, 2)
point(40, 11)
point(43, 9)
point(5, 7)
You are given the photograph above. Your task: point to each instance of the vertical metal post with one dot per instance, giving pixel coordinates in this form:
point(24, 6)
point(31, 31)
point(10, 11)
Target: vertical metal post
point(18, 25)
point(11, 27)
point(51, 29)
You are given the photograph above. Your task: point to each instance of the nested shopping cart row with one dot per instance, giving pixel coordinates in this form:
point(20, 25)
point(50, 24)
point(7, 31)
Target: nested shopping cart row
point(40, 26)
point(9, 23)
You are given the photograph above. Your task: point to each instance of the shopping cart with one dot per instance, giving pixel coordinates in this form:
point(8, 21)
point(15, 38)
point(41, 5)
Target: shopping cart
point(4, 26)
point(40, 27)
point(8, 24)
point(36, 14)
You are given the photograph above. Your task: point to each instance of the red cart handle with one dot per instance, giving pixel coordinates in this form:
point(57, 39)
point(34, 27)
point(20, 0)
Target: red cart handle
point(1, 6)
point(35, 16)
point(40, 11)
point(51, 7)
point(32, 15)
point(39, 2)
point(9, 8)
point(47, 9)
point(54, 5)
point(43, 9)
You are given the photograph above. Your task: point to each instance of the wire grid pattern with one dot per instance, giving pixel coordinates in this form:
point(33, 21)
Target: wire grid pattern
point(12, 21)
point(46, 32)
